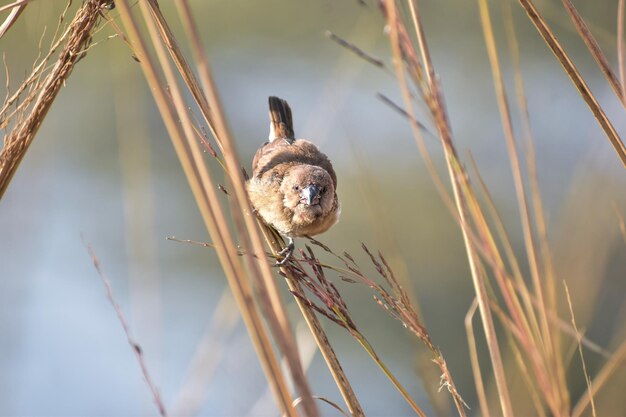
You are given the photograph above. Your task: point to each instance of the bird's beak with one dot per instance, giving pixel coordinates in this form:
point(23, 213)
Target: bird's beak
point(309, 194)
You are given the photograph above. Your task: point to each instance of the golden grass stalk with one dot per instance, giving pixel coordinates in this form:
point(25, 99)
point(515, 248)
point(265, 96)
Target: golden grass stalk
point(537, 202)
point(458, 178)
point(77, 39)
point(207, 83)
point(14, 14)
point(556, 373)
point(249, 237)
point(334, 307)
point(187, 149)
point(580, 351)
point(519, 284)
point(533, 388)
point(573, 73)
point(379, 221)
point(558, 399)
point(473, 351)
point(219, 132)
point(528, 319)
point(531, 166)
point(275, 242)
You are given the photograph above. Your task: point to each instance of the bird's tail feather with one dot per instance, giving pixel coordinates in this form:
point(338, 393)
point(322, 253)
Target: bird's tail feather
point(281, 123)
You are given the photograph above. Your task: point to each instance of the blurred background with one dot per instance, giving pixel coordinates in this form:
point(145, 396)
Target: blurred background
point(102, 170)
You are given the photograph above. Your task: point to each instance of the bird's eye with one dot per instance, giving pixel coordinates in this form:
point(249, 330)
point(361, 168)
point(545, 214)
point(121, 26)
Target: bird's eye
point(323, 190)
point(296, 187)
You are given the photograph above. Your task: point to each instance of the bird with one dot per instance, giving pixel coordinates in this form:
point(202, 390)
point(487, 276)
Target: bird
point(293, 187)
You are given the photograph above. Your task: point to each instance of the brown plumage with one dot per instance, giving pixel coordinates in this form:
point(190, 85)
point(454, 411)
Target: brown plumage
point(293, 186)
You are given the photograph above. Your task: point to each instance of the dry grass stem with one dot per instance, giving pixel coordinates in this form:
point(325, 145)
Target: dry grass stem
point(133, 344)
point(355, 50)
point(327, 401)
point(571, 70)
point(276, 243)
point(32, 84)
point(553, 379)
point(396, 302)
point(335, 309)
point(16, 4)
point(594, 49)
point(473, 351)
point(77, 39)
point(191, 159)
point(371, 191)
point(398, 109)
point(14, 14)
point(529, 355)
point(536, 199)
point(621, 50)
point(248, 232)
point(318, 333)
point(201, 369)
point(580, 351)
point(601, 379)
point(431, 92)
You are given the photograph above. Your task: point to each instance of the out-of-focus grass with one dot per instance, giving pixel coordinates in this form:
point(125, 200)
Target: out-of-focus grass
point(390, 204)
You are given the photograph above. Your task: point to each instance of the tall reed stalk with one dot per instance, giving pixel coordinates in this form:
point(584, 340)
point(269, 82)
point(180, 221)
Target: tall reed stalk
point(525, 337)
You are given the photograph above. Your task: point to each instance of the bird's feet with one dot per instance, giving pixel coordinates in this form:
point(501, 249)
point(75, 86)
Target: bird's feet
point(286, 253)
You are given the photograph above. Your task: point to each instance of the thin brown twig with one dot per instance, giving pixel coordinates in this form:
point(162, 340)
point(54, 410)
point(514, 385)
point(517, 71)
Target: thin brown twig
point(574, 75)
point(396, 302)
point(327, 401)
point(398, 109)
point(133, 344)
point(602, 377)
point(336, 309)
point(594, 49)
point(209, 351)
point(580, 351)
point(355, 49)
point(621, 50)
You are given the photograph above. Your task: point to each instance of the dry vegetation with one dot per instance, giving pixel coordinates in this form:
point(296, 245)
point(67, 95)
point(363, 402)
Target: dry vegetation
point(517, 312)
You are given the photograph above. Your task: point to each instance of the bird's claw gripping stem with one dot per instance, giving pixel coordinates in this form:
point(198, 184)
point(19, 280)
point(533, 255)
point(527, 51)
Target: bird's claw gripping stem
point(286, 253)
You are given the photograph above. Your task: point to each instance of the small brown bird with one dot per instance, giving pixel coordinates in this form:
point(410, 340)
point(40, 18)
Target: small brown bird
point(293, 185)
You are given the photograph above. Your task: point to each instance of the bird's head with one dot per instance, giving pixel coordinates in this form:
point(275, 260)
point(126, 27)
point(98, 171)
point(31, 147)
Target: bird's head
point(309, 191)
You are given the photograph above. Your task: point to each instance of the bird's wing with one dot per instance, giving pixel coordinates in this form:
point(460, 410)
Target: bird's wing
point(262, 161)
point(281, 152)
